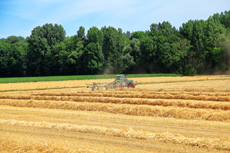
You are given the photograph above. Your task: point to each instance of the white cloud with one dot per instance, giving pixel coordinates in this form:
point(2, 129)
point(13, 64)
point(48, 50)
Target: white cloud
point(133, 15)
point(64, 11)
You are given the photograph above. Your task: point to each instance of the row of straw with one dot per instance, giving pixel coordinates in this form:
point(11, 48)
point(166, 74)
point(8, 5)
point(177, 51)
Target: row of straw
point(146, 95)
point(140, 101)
point(134, 92)
point(212, 143)
point(136, 101)
point(138, 110)
point(12, 145)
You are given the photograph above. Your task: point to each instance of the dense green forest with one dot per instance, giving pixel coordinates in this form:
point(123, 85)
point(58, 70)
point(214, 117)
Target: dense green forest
point(198, 47)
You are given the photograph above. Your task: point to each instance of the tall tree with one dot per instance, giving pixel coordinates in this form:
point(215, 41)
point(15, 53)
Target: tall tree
point(163, 35)
point(113, 44)
point(66, 57)
point(41, 40)
point(138, 35)
point(15, 39)
point(223, 17)
point(93, 58)
point(148, 51)
point(4, 58)
point(212, 30)
point(95, 35)
point(198, 43)
point(187, 29)
point(127, 34)
point(135, 52)
point(131, 56)
point(17, 59)
point(181, 60)
point(81, 32)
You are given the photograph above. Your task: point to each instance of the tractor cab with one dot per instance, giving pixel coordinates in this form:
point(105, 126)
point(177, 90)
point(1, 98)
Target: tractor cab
point(120, 77)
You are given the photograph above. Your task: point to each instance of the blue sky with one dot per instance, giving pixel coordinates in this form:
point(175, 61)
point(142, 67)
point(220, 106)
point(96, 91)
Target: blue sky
point(20, 17)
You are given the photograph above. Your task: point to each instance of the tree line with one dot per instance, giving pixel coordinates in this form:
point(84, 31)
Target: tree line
point(198, 47)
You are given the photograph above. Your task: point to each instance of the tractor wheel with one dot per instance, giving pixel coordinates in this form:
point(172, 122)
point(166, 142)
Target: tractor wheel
point(131, 85)
point(119, 86)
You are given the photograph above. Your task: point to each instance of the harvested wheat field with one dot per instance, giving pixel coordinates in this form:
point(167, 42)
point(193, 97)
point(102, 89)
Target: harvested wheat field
point(162, 114)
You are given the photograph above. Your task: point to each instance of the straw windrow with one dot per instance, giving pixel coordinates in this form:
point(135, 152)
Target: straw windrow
point(138, 110)
point(223, 144)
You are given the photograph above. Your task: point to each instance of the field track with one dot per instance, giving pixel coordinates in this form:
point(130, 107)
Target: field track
point(165, 114)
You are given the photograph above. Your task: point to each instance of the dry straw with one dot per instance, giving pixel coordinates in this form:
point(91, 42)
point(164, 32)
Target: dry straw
point(149, 95)
point(11, 145)
point(223, 144)
point(159, 99)
point(127, 109)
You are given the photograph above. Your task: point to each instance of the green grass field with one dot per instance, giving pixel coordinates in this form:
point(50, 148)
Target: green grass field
point(77, 77)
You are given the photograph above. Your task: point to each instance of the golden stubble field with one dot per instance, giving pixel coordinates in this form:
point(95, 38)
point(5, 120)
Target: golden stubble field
point(162, 114)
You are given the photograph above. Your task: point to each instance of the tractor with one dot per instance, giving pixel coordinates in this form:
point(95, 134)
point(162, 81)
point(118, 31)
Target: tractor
point(120, 82)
